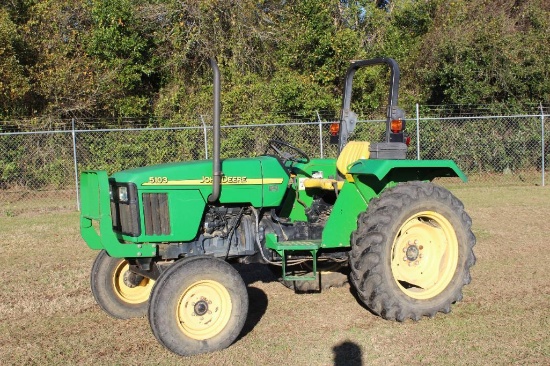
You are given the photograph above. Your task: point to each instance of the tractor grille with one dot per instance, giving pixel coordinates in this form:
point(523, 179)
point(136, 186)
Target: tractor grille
point(125, 214)
point(156, 214)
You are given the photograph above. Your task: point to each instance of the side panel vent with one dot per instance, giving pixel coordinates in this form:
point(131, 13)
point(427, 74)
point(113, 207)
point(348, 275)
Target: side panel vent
point(157, 216)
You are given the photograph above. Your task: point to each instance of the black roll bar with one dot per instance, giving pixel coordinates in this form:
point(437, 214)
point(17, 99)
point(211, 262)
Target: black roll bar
point(348, 118)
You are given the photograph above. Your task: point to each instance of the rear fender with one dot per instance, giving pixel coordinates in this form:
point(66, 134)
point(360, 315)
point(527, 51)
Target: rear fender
point(365, 180)
point(406, 170)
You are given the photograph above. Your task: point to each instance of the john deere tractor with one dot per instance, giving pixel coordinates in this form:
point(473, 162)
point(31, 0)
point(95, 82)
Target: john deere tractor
point(167, 235)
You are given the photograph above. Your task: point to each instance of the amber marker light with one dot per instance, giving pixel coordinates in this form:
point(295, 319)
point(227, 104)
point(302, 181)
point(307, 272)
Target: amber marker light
point(396, 125)
point(334, 129)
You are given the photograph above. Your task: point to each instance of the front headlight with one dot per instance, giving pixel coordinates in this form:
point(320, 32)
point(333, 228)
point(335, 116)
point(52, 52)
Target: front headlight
point(123, 194)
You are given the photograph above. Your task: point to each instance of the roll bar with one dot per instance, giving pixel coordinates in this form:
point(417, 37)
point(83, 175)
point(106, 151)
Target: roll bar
point(348, 118)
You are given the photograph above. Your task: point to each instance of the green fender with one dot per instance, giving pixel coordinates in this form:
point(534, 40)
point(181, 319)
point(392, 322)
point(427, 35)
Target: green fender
point(366, 180)
point(406, 170)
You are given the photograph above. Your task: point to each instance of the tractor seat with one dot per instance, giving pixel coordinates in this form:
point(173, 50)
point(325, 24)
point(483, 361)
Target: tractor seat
point(353, 151)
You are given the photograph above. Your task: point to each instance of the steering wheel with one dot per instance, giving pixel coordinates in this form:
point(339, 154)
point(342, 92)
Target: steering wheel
point(277, 146)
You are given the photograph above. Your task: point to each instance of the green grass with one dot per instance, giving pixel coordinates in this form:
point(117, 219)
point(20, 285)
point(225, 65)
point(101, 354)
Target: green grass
point(48, 315)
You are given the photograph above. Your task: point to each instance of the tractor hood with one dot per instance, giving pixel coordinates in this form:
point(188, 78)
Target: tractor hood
point(261, 180)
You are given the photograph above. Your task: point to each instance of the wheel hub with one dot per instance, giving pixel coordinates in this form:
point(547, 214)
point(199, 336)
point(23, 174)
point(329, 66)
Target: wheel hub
point(201, 307)
point(132, 279)
point(130, 287)
point(413, 252)
point(429, 255)
point(204, 309)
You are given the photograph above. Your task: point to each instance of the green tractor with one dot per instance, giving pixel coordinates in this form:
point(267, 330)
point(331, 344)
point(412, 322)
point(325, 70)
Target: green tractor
point(168, 233)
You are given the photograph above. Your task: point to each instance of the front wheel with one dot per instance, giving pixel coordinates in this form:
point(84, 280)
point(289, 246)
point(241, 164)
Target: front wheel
point(198, 305)
point(118, 291)
point(412, 252)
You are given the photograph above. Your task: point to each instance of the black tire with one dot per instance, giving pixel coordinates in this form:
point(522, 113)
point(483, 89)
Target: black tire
point(412, 252)
point(198, 305)
point(331, 276)
point(115, 294)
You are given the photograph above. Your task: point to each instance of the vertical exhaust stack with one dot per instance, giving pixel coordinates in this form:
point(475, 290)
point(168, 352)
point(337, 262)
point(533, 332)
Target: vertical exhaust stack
point(216, 163)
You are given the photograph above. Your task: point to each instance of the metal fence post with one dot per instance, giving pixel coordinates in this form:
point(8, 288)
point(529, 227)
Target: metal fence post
point(205, 138)
point(542, 140)
point(75, 167)
point(417, 132)
point(320, 134)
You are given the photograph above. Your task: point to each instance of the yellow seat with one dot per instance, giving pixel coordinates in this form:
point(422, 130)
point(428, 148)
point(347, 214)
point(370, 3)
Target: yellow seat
point(353, 151)
point(323, 183)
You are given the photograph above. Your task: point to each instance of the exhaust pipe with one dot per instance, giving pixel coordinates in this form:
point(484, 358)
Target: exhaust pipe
point(216, 163)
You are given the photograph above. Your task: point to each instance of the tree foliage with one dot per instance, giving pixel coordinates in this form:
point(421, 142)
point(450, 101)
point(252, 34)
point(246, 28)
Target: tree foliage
point(488, 52)
point(14, 84)
point(145, 59)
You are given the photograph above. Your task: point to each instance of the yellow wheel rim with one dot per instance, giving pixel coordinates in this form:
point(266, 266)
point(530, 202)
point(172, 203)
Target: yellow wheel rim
point(204, 309)
point(131, 294)
point(424, 255)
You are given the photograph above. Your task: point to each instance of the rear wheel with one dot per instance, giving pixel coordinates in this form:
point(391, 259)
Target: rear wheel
point(198, 306)
point(118, 291)
point(412, 252)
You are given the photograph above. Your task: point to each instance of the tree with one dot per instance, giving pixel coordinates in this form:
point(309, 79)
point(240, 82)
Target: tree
point(14, 84)
point(490, 53)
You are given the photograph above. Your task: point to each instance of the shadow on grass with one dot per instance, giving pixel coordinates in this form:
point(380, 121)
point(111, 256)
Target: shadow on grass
point(257, 299)
point(347, 354)
point(254, 272)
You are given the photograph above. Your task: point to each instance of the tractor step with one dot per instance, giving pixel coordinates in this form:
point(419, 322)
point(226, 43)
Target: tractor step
point(285, 248)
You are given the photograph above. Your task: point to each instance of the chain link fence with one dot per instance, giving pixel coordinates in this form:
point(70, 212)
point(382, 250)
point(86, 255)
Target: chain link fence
point(39, 169)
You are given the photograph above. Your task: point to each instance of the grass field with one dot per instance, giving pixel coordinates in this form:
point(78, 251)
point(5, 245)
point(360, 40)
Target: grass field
point(48, 315)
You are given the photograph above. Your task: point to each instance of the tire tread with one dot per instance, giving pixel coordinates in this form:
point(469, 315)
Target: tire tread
point(371, 238)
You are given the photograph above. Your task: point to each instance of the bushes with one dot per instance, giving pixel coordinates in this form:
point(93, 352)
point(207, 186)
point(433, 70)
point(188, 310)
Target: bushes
point(36, 161)
point(483, 145)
